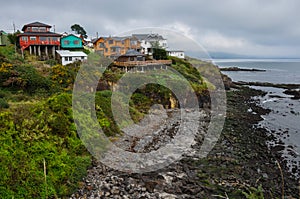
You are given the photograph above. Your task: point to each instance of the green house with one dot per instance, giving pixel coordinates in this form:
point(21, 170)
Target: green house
point(71, 42)
point(3, 38)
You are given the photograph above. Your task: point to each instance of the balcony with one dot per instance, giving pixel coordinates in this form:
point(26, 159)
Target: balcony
point(36, 42)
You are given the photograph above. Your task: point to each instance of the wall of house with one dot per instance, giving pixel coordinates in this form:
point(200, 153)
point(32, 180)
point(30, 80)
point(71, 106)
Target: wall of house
point(146, 46)
point(179, 54)
point(107, 46)
point(71, 41)
point(70, 59)
point(4, 39)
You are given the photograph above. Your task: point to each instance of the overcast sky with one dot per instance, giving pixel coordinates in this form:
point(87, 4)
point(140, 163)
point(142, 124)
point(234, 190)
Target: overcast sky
point(250, 27)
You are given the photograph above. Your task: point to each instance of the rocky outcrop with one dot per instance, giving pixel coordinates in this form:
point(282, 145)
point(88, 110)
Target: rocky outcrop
point(242, 69)
point(268, 84)
point(295, 93)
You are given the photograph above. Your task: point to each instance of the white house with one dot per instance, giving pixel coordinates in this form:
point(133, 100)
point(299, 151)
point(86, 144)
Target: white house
point(148, 40)
point(176, 53)
point(68, 57)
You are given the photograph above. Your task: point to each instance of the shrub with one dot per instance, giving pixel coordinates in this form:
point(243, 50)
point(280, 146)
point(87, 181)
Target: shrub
point(2, 94)
point(24, 77)
point(3, 103)
point(29, 135)
point(51, 62)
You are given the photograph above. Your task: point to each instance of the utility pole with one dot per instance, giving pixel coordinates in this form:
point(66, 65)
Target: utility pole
point(14, 26)
point(14, 36)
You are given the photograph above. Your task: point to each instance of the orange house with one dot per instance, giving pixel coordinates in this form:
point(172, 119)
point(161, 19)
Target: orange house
point(38, 38)
point(113, 47)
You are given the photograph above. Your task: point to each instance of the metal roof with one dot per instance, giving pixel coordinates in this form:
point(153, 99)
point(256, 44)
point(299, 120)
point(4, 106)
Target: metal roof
point(67, 53)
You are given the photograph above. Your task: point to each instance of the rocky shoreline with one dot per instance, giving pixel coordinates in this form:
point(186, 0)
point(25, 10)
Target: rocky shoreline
point(238, 165)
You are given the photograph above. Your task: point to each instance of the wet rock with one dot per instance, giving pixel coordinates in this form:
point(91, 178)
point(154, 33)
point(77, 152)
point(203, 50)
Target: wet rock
point(294, 93)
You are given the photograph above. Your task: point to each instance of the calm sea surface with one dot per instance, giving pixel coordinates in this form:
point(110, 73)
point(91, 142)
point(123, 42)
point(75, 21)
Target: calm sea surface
point(284, 120)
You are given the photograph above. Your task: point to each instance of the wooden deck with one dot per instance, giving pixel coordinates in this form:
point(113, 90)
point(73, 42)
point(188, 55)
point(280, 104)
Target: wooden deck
point(143, 63)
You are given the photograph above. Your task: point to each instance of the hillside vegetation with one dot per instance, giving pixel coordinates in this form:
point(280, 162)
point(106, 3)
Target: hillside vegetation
point(41, 154)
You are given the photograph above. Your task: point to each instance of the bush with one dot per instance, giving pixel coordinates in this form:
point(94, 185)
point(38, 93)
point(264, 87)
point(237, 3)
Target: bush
point(51, 62)
point(31, 134)
point(2, 94)
point(64, 76)
point(3, 103)
point(24, 77)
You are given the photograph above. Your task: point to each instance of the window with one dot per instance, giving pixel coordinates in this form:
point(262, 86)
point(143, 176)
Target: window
point(42, 29)
point(75, 42)
point(70, 58)
point(133, 42)
point(131, 58)
point(82, 58)
point(66, 58)
point(35, 29)
point(111, 41)
point(101, 45)
point(66, 42)
point(32, 38)
point(24, 38)
point(43, 38)
point(106, 49)
point(54, 38)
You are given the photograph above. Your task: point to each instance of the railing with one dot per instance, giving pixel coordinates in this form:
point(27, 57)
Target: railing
point(143, 63)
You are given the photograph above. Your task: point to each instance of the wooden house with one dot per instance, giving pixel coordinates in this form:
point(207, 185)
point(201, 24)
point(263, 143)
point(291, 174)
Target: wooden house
point(67, 57)
point(39, 40)
point(71, 42)
point(176, 53)
point(132, 56)
point(114, 47)
point(3, 38)
point(149, 40)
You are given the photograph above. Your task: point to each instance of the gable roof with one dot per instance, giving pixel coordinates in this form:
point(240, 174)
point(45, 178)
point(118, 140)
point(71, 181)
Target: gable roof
point(35, 24)
point(2, 32)
point(140, 36)
point(70, 35)
point(148, 37)
point(133, 52)
point(112, 38)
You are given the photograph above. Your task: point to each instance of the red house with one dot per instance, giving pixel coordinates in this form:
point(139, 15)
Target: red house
point(39, 40)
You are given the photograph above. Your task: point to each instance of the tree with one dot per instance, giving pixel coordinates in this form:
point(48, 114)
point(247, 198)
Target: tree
point(13, 37)
point(79, 30)
point(159, 53)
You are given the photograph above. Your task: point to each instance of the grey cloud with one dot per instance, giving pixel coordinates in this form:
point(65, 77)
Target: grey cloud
point(272, 24)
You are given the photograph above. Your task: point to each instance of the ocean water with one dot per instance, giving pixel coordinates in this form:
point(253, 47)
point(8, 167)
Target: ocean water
point(277, 70)
point(284, 119)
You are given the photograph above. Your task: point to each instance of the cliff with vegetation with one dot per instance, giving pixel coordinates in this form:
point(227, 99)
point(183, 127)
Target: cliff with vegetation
point(41, 153)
